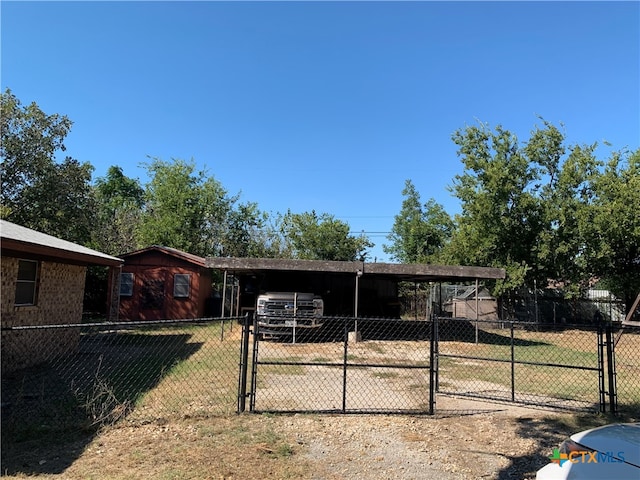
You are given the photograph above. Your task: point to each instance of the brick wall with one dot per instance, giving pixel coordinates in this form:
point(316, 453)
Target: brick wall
point(58, 302)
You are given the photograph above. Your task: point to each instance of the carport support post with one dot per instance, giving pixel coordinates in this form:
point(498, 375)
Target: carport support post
point(355, 309)
point(477, 304)
point(295, 315)
point(224, 294)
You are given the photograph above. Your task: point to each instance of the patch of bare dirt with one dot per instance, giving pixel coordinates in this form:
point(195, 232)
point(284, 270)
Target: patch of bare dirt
point(465, 440)
point(474, 441)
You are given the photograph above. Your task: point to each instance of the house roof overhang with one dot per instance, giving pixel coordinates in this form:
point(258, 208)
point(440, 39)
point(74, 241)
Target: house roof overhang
point(17, 241)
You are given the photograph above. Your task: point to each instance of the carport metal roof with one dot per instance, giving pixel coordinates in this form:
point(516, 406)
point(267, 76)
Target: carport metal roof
point(419, 272)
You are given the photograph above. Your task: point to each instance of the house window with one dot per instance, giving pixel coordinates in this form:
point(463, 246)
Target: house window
point(181, 283)
point(126, 284)
point(27, 283)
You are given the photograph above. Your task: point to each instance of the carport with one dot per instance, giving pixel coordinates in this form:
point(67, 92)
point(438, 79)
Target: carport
point(363, 358)
point(349, 288)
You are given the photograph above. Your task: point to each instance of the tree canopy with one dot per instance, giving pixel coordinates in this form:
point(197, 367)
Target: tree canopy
point(119, 200)
point(419, 231)
point(546, 211)
point(610, 226)
point(183, 208)
point(36, 190)
point(322, 237)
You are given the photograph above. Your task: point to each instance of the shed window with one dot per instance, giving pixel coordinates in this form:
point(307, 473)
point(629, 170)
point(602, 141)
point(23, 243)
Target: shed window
point(181, 283)
point(27, 282)
point(126, 284)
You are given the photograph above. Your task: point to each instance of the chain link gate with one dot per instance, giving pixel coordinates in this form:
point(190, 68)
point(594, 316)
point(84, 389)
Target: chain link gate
point(572, 367)
point(347, 365)
point(353, 365)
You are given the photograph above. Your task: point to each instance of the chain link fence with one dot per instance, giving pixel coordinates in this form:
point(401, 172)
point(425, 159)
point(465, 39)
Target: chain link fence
point(85, 376)
point(91, 375)
point(521, 362)
point(380, 365)
point(627, 369)
point(347, 365)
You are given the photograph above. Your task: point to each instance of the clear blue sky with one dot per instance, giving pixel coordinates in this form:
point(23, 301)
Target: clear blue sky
point(325, 106)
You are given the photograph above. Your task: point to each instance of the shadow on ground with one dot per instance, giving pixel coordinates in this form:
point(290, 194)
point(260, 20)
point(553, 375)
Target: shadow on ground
point(549, 432)
point(51, 412)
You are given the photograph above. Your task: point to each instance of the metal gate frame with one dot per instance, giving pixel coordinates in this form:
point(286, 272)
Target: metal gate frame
point(250, 363)
point(605, 367)
point(247, 388)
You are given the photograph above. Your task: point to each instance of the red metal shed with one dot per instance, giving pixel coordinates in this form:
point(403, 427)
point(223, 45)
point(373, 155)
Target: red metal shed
point(159, 283)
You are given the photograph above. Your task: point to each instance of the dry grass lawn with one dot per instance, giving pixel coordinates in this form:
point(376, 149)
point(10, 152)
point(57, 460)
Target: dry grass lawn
point(480, 441)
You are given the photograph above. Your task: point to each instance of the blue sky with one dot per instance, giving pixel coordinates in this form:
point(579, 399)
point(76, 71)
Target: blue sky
point(325, 106)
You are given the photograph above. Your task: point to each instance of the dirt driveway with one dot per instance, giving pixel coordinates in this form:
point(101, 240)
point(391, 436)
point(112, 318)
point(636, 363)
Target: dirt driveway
point(474, 441)
point(467, 440)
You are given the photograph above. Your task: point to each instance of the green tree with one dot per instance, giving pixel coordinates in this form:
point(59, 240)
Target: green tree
point(419, 231)
point(610, 226)
point(565, 198)
point(501, 215)
point(243, 236)
point(270, 240)
point(37, 191)
point(322, 237)
point(184, 209)
point(120, 200)
point(547, 211)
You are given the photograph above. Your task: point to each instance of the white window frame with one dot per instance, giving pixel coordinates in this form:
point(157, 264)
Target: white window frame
point(27, 283)
point(129, 283)
point(179, 287)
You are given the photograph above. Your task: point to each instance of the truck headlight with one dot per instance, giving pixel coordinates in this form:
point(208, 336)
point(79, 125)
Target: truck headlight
point(261, 306)
point(318, 306)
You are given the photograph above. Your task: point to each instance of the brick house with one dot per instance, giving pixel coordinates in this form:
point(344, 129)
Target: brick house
point(159, 283)
point(43, 280)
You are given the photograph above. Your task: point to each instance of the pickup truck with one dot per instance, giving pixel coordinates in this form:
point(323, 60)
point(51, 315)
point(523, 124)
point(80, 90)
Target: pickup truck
point(281, 313)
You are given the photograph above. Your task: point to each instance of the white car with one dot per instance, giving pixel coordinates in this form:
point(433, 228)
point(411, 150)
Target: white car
point(608, 452)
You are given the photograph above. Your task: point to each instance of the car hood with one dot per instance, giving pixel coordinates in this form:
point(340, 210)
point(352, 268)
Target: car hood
point(614, 438)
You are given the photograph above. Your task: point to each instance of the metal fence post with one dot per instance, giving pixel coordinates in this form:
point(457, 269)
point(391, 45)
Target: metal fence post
point(513, 366)
point(432, 364)
point(601, 382)
point(257, 337)
point(611, 370)
point(345, 358)
point(244, 361)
